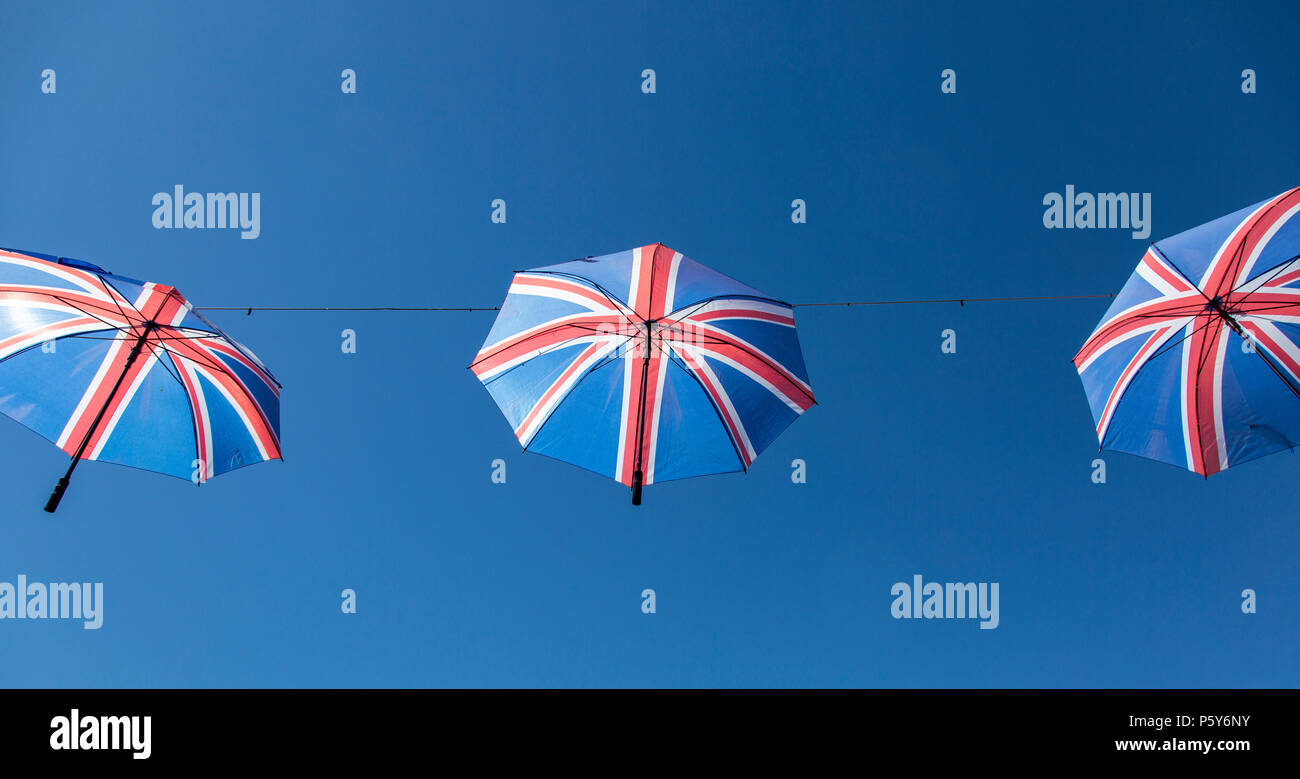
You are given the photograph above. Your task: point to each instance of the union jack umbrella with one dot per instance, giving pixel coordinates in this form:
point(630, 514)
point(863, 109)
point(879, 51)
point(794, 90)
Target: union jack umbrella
point(644, 366)
point(1197, 362)
point(125, 371)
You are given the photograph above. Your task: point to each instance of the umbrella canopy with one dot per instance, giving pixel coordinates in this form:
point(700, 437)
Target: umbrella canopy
point(124, 371)
point(644, 366)
point(1197, 362)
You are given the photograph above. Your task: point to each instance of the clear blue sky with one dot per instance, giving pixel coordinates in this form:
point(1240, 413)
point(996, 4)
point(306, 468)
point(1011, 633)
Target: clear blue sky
point(966, 467)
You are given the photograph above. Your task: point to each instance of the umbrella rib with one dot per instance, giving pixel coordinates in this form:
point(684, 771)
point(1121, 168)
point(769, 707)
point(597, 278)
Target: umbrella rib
point(1278, 372)
point(217, 332)
point(735, 445)
point(204, 336)
point(110, 291)
point(693, 308)
point(1236, 327)
point(759, 298)
point(777, 368)
point(1237, 254)
point(90, 314)
point(1167, 314)
point(538, 334)
point(1163, 350)
point(1226, 319)
point(85, 337)
point(1219, 321)
point(210, 365)
point(154, 349)
point(174, 371)
point(1275, 271)
point(619, 304)
point(1169, 347)
point(1258, 351)
point(1241, 246)
point(69, 303)
point(540, 352)
point(606, 360)
point(1178, 270)
point(216, 366)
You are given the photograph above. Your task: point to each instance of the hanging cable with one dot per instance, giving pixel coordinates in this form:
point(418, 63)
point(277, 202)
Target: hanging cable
point(959, 301)
point(829, 304)
point(251, 309)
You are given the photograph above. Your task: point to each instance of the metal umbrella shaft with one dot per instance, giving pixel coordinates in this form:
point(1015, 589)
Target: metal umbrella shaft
point(638, 475)
point(52, 504)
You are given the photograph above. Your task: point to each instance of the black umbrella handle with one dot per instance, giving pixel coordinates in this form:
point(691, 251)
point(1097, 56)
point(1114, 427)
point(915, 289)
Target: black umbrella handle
point(53, 504)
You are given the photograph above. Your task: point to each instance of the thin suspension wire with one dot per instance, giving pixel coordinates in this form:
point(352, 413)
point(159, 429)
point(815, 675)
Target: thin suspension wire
point(347, 308)
point(820, 304)
point(961, 301)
